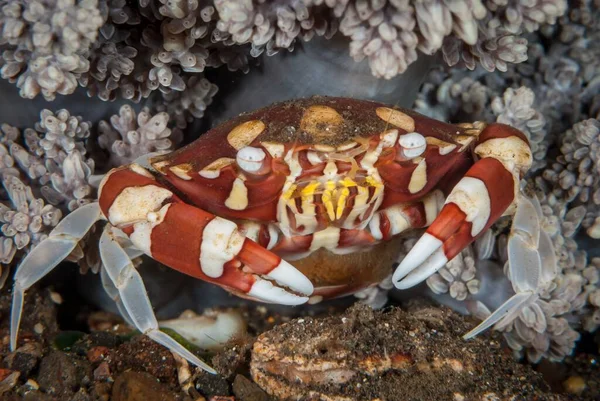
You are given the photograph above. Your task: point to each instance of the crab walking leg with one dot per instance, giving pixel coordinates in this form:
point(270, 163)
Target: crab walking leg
point(531, 262)
point(113, 293)
point(47, 255)
point(132, 292)
point(486, 192)
point(196, 242)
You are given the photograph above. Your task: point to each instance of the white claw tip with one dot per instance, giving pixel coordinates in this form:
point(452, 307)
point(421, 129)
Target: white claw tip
point(264, 290)
point(287, 275)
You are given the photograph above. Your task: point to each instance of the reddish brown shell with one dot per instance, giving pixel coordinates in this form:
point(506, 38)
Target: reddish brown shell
point(283, 123)
point(320, 122)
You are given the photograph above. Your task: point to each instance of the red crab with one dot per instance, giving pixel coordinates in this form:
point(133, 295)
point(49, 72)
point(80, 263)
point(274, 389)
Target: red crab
point(295, 202)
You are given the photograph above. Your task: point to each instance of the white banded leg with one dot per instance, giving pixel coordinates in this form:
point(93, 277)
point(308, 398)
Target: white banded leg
point(113, 293)
point(47, 255)
point(532, 264)
point(134, 298)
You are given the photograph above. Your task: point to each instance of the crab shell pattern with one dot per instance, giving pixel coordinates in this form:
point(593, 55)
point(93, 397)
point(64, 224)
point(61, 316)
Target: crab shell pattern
point(318, 181)
point(298, 201)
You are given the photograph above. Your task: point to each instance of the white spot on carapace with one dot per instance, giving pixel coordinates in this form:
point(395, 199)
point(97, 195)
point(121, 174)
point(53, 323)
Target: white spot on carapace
point(321, 121)
point(142, 231)
point(238, 197)
point(389, 138)
point(327, 238)
point(413, 144)
point(472, 197)
point(221, 242)
point(134, 203)
point(160, 166)
point(397, 118)
point(250, 159)
point(213, 170)
point(275, 149)
point(136, 168)
point(443, 146)
point(418, 179)
point(181, 171)
point(245, 133)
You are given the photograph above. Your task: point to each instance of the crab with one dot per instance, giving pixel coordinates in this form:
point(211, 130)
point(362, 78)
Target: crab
point(293, 203)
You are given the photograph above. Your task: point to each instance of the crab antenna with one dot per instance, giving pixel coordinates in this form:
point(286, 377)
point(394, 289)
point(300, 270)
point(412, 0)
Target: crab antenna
point(47, 255)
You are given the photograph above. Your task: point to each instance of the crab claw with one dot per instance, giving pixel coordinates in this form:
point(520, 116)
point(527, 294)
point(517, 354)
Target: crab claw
point(264, 262)
point(476, 202)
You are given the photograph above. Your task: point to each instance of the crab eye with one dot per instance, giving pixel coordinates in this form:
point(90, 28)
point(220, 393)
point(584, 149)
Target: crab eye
point(250, 159)
point(413, 144)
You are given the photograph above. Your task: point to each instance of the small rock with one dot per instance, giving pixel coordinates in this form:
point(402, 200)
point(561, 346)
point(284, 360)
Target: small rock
point(9, 382)
point(210, 385)
point(102, 372)
point(4, 373)
point(141, 354)
point(101, 391)
point(105, 339)
point(25, 358)
point(81, 395)
point(97, 354)
point(32, 384)
point(222, 398)
point(61, 374)
point(575, 385)
point(37, 396)
point(139, 386)
point(245, 390)
point(233, 359)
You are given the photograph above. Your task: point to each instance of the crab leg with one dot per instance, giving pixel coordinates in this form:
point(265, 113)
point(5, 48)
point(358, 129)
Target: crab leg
point(196, 242)
point(134, 299)
point(47, 255)
point(531, 264)
point(487, 190)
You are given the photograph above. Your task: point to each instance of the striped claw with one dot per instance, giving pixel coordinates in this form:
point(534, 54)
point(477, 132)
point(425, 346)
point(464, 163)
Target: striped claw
point(475, 203)
point(196, 242)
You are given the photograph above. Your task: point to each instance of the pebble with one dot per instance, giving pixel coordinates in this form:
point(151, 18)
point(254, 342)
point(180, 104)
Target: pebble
point(97, 354)
point(575, 385)
point(61, 374)
point(9, 382)
point(102, 372)
point(25, 358)
point(32, 384)
point(210, 385)
point(245, 390)
point(140, 386)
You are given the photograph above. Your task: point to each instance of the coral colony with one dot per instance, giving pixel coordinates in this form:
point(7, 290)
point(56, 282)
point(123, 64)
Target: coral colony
point(531, 64)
